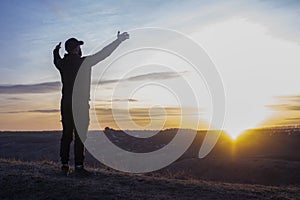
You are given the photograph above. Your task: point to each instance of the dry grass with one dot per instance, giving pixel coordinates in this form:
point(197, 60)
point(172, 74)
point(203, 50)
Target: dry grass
point(42, 180)
point(260, 166)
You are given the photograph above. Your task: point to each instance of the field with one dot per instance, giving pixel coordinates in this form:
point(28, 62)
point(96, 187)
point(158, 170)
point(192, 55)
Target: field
point(262, 164)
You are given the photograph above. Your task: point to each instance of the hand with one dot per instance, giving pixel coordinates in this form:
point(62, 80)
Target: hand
point(123, 36)
point(58, 46)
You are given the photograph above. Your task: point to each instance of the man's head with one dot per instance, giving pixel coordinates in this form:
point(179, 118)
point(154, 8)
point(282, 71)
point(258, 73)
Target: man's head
point(72, 46)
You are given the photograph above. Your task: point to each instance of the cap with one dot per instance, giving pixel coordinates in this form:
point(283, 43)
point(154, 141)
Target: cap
point(72, 43)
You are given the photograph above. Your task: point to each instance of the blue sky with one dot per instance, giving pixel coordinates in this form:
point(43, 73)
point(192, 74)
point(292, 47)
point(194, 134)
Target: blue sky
point(31, 29)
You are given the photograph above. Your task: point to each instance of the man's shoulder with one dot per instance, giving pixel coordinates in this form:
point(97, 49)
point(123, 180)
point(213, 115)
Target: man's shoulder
point(72, 57)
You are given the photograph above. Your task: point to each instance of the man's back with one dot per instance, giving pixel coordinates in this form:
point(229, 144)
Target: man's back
point(69, 67)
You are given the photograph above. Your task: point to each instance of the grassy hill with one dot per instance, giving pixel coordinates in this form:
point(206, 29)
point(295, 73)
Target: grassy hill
point(42, 180)
point(261, 164)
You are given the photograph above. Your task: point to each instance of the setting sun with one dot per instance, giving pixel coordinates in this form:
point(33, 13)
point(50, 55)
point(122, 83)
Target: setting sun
point(150, 99)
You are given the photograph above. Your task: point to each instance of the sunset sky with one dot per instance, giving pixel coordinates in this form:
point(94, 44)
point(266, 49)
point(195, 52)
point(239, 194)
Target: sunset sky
point(255, 46)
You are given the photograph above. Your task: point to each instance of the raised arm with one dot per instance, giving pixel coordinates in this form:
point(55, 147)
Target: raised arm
point(106, 51)
point(56, 57)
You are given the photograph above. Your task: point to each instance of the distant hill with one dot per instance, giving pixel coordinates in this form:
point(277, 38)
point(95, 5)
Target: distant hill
point(261, 156)
point(264, 156)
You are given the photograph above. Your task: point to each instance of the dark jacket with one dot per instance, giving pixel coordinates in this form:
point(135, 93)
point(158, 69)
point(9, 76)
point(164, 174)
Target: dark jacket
point(71, 64)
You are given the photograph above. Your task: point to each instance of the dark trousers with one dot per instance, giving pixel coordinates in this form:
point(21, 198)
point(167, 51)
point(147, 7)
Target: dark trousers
point(69, 129)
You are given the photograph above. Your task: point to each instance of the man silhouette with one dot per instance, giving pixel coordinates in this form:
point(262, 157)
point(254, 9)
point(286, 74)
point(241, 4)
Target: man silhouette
point(68, 67)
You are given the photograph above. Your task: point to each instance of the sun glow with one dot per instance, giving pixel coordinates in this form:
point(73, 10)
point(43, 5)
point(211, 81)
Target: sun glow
point(234, 136)
point(245, 54)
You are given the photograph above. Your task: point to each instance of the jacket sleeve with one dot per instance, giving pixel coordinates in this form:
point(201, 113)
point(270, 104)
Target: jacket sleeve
point(102, 54)
point(57, 59)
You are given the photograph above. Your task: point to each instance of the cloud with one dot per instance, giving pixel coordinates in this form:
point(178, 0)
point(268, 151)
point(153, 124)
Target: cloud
point(30, 88)
point(32, 111)
point(295, 119)
point(140, 116)
point(293, 98)
point(47, 87)
point(148, 118)
point(149, 76)
point(45, 111)
point(290, 103)
point(287, 112)
point(285, 107)
point(116, 100)
point(144, 112)
point(14, 98)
